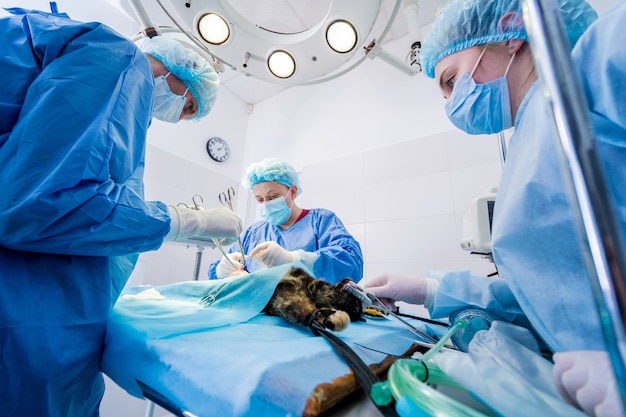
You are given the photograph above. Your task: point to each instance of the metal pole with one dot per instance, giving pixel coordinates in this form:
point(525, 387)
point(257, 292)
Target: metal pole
point(149, 409)
point(585, 179)
point(196, 270)
point(502, 145)
point(147, 27)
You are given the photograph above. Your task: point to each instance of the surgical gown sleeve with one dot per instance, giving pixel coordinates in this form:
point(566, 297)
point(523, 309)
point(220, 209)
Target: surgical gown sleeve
point(459, 290)
point(76, 103)
point(339, 254)
point(321, 232)
point(601, 64)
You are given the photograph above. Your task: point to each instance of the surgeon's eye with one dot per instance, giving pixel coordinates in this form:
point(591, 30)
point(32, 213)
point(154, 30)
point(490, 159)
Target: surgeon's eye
point(448, 86)
point(189, 108)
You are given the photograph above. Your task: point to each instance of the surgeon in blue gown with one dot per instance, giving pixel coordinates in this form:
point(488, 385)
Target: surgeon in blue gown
point(289, 233)
point(75, 104)
point(478, 53)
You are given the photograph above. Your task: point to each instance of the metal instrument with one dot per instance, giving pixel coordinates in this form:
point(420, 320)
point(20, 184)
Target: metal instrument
point(368, 300)
point(197, 200)
point(227, 197)
point(585, 180)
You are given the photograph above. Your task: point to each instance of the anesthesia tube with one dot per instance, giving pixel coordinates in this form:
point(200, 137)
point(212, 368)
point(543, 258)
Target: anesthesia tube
point(406, 380)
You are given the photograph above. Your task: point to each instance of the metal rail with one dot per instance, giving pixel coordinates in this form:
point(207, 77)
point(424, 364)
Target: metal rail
point(594, 213)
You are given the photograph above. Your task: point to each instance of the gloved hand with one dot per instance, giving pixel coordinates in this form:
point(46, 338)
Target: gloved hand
point(224, 269)
point(586, 380)
point(402, 288)
point(272, 254)
point(203, 225)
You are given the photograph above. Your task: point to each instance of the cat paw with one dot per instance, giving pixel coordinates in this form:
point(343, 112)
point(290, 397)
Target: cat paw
point(335, 320)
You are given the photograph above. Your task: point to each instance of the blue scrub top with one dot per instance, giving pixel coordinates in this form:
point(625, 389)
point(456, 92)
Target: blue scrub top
point(75, 105)
point(535, 243)
point(321, 232)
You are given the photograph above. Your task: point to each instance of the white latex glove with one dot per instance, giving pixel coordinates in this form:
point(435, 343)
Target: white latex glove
point(194, 226)
point(272, 254)
point(224, 269)
point(402, 288)
point(586, 380)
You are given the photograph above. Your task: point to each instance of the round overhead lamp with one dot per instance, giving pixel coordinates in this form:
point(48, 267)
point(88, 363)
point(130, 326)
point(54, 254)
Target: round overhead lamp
point(281, 64)
point(213, 28)
point(341, 36)
point(309, 54)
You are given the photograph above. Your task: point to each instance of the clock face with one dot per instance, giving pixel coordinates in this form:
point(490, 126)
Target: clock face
point(218, 149)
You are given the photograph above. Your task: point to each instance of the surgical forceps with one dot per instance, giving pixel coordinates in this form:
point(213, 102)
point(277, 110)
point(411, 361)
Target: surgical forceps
point(226, 198)
point(368, 300)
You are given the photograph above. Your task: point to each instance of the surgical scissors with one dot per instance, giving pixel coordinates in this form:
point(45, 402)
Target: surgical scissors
point(227, 197)
point(196, 205)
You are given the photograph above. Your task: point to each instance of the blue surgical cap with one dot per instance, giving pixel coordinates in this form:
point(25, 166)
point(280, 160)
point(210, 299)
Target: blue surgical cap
point(193, 70)
point(271, 169)
point(466, 23)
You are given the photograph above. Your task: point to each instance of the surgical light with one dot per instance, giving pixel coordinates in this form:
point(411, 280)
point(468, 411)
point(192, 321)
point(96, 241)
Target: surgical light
point(314, 41)
point(281, 64)
point(341, 36)
point(213, 29)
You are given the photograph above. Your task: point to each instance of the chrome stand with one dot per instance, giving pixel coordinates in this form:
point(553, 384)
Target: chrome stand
point(585, 179)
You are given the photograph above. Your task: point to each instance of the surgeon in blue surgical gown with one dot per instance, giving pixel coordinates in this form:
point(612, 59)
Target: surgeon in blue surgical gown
point(289, 233)
point(75, 104)
point(479, 55)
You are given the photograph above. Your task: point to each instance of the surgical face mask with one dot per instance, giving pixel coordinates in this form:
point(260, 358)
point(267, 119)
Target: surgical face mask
point(167, 105)
point(480, 108)
point(276, 211)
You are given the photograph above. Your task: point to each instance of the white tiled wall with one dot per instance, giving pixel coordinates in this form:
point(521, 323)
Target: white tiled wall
point(174, 180)
point(405, 202)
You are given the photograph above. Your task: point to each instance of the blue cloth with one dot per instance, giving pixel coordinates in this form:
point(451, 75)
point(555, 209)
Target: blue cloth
point(76, 103)
point(535, 243)
point(320, 231)
point(227, 359)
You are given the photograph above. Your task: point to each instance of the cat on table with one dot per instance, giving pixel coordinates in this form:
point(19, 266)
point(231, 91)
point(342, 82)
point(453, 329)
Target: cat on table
point(301, 298)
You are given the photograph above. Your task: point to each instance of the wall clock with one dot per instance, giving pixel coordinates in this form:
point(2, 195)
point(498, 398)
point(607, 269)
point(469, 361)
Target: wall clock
point(218, 149)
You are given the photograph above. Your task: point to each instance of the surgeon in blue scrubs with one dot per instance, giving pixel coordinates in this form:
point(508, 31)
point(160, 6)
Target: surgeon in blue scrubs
point(75, 104)
point(478, 53)
point(288, 233)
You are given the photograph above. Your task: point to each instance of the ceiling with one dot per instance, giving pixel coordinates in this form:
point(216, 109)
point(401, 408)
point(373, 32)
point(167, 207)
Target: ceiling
point(283, 16)
point(290, 16)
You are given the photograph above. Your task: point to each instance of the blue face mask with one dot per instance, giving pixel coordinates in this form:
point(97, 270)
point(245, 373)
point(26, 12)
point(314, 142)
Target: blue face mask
point(480, 108)
point(276, 211)
point(167, 105)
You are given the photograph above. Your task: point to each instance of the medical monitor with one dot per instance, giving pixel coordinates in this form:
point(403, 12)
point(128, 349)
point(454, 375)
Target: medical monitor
point(478, 223)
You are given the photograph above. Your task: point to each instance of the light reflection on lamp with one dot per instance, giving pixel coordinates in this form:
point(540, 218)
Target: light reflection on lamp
point(213, 29)
point(341, 36)
point(281, 64)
